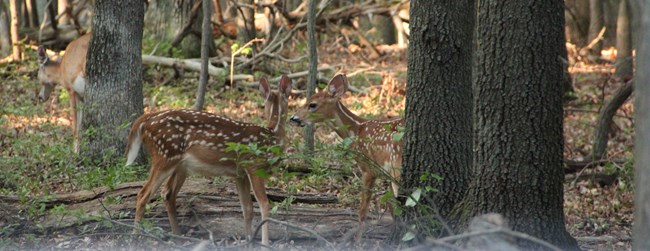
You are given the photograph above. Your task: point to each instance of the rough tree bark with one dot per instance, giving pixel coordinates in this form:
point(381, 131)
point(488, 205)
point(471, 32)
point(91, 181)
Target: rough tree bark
point(518, 119)
point(641, 230)
point(623, 42)
point(438, 133)
point(114, 77)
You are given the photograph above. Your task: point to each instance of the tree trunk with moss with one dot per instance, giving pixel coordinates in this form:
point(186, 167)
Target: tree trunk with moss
point(518, 119)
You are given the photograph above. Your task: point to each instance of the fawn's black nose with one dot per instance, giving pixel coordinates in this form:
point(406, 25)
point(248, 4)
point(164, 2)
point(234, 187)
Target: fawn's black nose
point(294, 119)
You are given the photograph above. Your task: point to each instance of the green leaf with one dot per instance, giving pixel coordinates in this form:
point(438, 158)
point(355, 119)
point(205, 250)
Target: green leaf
point(262, 173)
point(234, 47)
point(246, 51)
point(273, 160)
point(408, 236)
point(412, 200)
point(398, 136)
point(387, 196)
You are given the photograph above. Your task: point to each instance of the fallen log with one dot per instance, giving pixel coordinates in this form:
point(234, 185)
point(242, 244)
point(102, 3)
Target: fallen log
point(192, 65)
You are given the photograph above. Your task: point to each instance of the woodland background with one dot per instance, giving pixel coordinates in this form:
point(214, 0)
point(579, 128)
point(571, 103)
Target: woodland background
point(52, 198)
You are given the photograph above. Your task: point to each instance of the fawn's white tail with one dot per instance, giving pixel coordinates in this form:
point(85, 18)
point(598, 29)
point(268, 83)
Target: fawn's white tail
point(135, 143)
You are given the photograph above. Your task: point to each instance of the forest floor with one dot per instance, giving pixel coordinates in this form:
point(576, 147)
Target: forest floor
point(52, 199)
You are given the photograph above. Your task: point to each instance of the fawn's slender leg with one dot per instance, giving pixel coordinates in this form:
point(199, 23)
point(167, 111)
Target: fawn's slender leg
point(366, 194)
point(263, 201)
point(160, 170)
point(173, 186)
point(74, 120)
point(244, 192)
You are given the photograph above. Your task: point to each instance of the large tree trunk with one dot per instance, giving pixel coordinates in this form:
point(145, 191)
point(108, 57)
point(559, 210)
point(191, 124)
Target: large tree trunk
point(595, 23)
point(5, 33)
point(114, 77)
point(518, 119)
point(438, 139)
point(623, 42)
point(641, 229)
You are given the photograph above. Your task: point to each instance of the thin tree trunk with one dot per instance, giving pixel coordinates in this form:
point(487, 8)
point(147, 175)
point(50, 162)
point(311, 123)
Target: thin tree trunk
point(386, 28)
point(518, 117)
point(438, 130)
point(641, 229)
point(13, 8)
point(313, 69)
point(5, 33)
point(63, 11)
point(604, 124)
point(51, 11)
point(114, 78)
point(623, 43)
point(595, 23)
point(247, 21)
point(577, 16)
point(205, 54)
point(190, 42)
point(32, 13)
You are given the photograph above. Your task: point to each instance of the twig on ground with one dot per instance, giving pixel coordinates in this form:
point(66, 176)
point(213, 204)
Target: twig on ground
point(114, 234)
point(312, 232)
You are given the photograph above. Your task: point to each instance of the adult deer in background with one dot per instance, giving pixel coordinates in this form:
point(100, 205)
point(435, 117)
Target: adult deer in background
point(187, 142)
point(373, 139)
point(71, 74)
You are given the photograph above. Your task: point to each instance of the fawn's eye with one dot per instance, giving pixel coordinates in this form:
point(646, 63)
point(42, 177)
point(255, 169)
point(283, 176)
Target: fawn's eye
point(312, 105)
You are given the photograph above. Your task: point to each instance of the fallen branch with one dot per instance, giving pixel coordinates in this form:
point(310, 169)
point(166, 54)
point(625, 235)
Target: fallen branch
point(192, 65)
point(602, 179)
point(123, 190)
point(605, 120)
point(573, 166)
point(604, 238)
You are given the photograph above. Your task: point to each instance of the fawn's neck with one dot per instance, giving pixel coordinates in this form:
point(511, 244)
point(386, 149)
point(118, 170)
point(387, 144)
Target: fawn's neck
point(346, 123)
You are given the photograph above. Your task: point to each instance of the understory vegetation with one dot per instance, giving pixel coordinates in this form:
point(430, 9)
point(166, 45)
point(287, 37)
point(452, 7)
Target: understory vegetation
point(44, 185)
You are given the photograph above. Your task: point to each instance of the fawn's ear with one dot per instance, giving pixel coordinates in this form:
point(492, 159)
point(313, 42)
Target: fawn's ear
point(265, 89)
point(42, 55)
point(337, 86)
point(285, 85)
